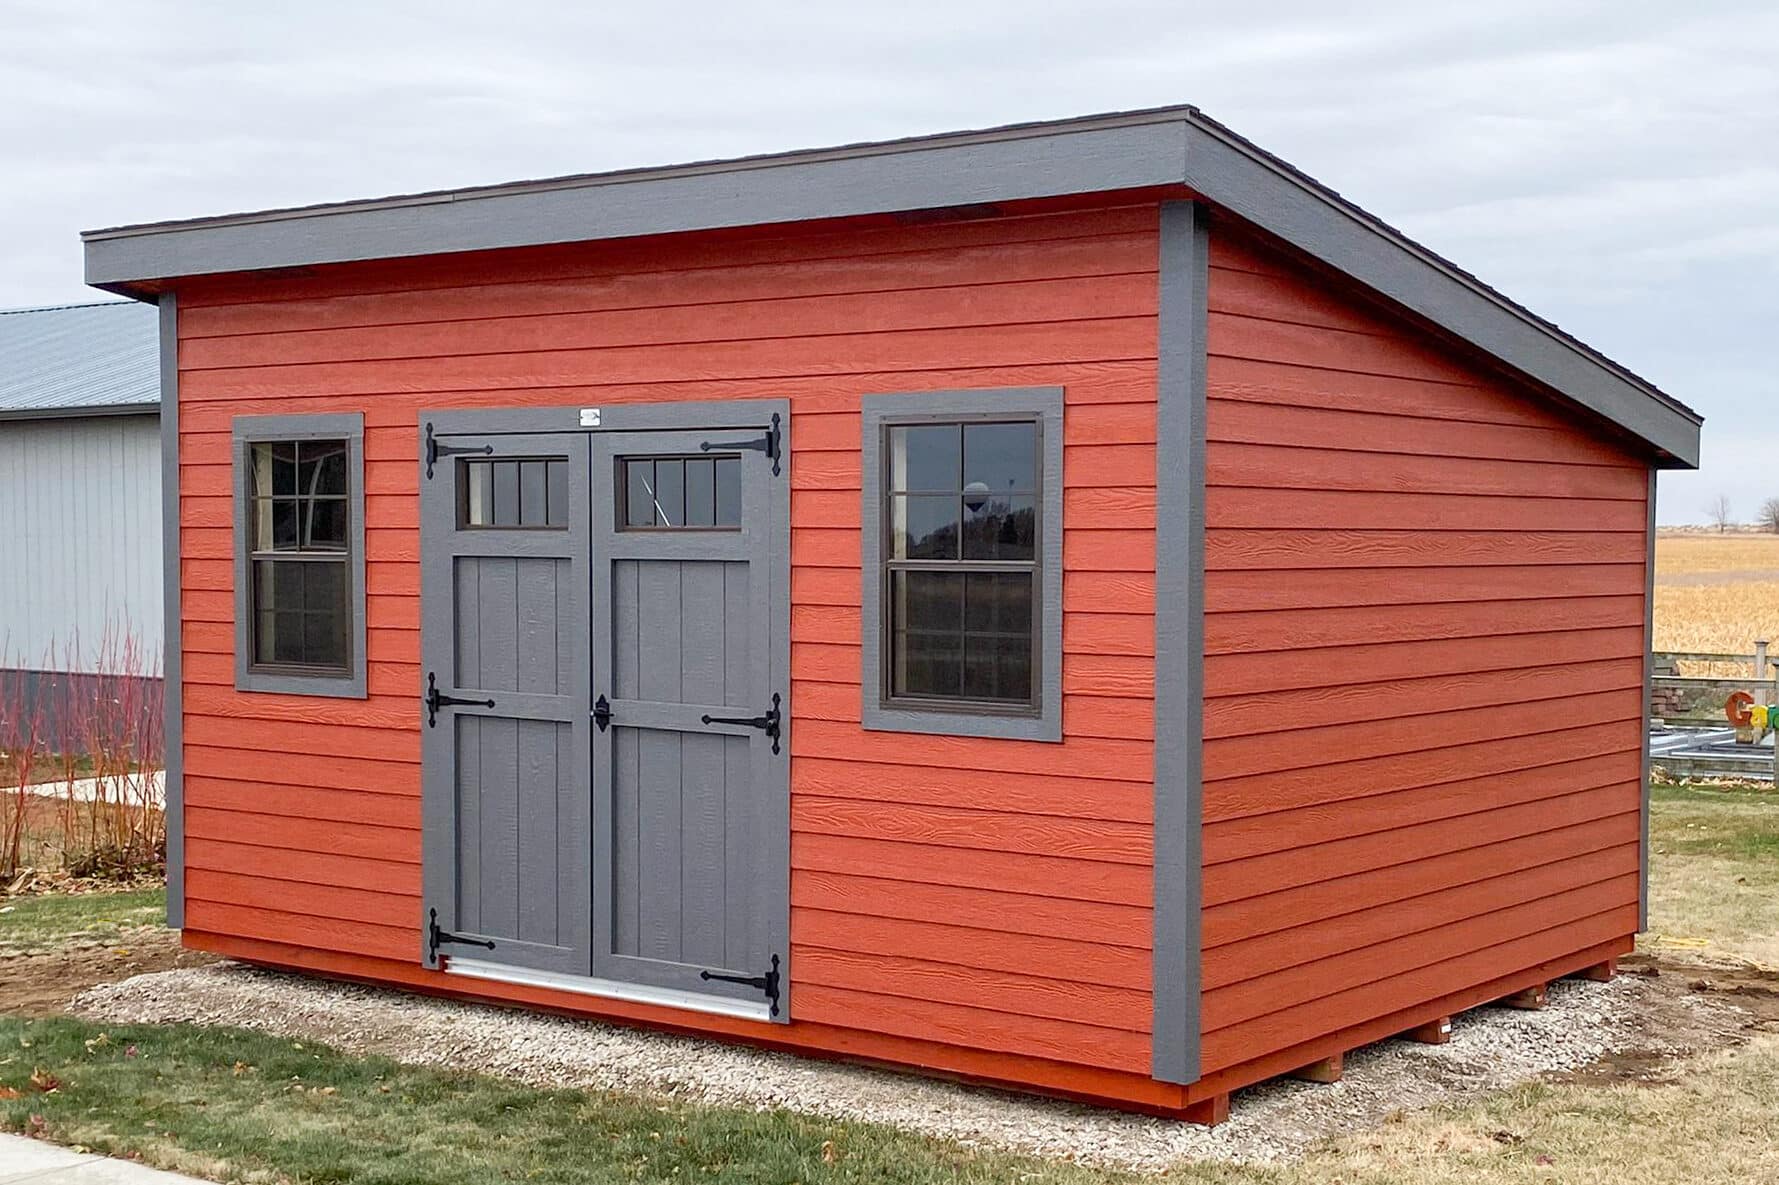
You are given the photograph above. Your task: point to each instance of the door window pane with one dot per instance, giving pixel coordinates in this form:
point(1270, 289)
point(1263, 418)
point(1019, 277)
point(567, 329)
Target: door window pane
point(513, 493)
point(679, 493)
point(728, 492)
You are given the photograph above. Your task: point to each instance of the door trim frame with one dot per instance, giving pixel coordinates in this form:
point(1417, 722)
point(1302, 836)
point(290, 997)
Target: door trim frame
point(717, 415)
point(616, 417)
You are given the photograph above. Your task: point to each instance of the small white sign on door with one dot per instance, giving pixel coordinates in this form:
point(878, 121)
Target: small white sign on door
point(589, 417)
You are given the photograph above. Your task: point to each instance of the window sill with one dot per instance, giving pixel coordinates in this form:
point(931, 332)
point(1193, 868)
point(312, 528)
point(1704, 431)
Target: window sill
point(334, 686)
point(1046, 727)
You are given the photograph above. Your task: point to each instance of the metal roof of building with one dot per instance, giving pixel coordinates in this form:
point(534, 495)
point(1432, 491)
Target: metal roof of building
point(80, 358)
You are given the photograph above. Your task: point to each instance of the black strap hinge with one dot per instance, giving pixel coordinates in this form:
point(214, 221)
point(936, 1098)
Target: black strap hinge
point(436, 938)
point(767, 983)
point(768, 723)
point(435, 699)
point(435, 450)
point(772, 444)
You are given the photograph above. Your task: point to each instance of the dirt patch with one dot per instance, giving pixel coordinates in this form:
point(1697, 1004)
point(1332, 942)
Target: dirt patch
point(1684, 1011)
point(43, 984)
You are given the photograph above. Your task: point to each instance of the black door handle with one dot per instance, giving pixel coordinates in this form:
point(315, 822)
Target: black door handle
point(602, 712)
point(434, 700)
point(768, 722)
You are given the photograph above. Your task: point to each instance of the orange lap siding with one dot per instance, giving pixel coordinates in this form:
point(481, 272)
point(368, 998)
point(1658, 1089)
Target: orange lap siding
point(935, 881)
point(1424, 598)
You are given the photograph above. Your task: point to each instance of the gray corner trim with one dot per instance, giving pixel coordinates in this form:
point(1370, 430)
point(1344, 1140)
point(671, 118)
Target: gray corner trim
point(246, 429)
point(1179, 637)
point(1045, 405)
point(1648, 688)
point(1257, 187)
point(965, 171)
point(173, 647)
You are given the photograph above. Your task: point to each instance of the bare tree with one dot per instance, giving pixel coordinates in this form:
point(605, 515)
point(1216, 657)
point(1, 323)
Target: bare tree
point(1720, 512)
point(1769, 515)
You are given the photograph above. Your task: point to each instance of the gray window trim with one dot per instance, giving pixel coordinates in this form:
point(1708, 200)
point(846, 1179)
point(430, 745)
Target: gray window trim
point(247, 429)
point(1043, 404)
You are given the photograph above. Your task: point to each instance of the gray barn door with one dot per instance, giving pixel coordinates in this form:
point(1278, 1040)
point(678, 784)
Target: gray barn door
point(689, 756)
point(505, 568)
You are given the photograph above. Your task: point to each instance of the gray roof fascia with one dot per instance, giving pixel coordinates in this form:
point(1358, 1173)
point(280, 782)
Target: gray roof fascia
point(1088, 157)
point(1174, 146)
point(1258, 188)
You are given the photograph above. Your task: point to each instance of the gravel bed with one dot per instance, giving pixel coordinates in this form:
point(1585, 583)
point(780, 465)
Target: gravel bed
point(1490, 1048)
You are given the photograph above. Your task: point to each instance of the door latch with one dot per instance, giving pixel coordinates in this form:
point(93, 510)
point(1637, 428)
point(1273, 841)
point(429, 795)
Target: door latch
point(602, 712)
point(772, 444)
point(768, 723)
point(435, 450)
point(767, 983)
point(434, 700)
point(436, 937)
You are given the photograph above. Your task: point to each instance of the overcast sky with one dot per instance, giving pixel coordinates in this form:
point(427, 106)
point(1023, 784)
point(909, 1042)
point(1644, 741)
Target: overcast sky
point(1613, 165)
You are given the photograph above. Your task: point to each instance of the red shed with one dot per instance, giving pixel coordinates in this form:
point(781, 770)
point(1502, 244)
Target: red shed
point(1077, 606)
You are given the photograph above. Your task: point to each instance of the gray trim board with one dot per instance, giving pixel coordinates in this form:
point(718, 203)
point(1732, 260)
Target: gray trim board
point(1045, 405)
point(1648, 687)
point(1179, 637)
point(247, 429)
point(966, 172)
point(172, 661)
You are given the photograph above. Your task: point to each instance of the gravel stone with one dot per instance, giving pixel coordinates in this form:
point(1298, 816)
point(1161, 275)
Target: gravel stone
point(1490, 1048)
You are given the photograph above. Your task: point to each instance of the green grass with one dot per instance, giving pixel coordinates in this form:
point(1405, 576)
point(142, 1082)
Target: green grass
point(231, 1104)
point(235, 1105)
point(1714, 875)
point(59, 920)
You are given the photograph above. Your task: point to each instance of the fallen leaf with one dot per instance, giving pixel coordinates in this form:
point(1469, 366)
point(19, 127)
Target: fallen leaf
point(130, 1051)
point(35, 1125)
point(829, 1156)
point(45, 1082)
point(9, 1092)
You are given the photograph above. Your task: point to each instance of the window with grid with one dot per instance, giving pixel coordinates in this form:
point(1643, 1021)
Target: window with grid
point(960, 569)
point(299, 511)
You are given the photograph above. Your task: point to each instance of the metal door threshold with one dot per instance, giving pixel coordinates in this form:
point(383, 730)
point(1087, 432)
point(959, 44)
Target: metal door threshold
point(610, 989)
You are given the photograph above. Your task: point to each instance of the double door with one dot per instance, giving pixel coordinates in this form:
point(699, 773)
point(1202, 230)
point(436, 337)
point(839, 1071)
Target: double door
point(605, 762)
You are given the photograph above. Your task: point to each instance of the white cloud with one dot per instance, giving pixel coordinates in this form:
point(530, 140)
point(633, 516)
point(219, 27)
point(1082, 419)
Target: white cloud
point(1610, 164)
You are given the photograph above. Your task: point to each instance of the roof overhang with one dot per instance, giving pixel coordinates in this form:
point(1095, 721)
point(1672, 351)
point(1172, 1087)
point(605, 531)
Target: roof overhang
point(87, 412)
point(1175, 146)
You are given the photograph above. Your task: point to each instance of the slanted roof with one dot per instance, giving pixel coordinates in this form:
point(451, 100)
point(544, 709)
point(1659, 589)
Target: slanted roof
point(1169, 146)
point(80, 359)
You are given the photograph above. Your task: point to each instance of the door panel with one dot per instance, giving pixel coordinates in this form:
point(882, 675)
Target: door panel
point(505, 560)
point(636, 578)
point(683, 635)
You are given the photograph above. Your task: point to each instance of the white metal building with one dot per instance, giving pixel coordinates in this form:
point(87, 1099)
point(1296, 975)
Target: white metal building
point(80, 481)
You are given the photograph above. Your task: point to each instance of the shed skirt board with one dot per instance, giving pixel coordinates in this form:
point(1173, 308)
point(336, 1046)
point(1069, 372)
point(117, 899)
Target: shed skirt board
point(602, 752)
